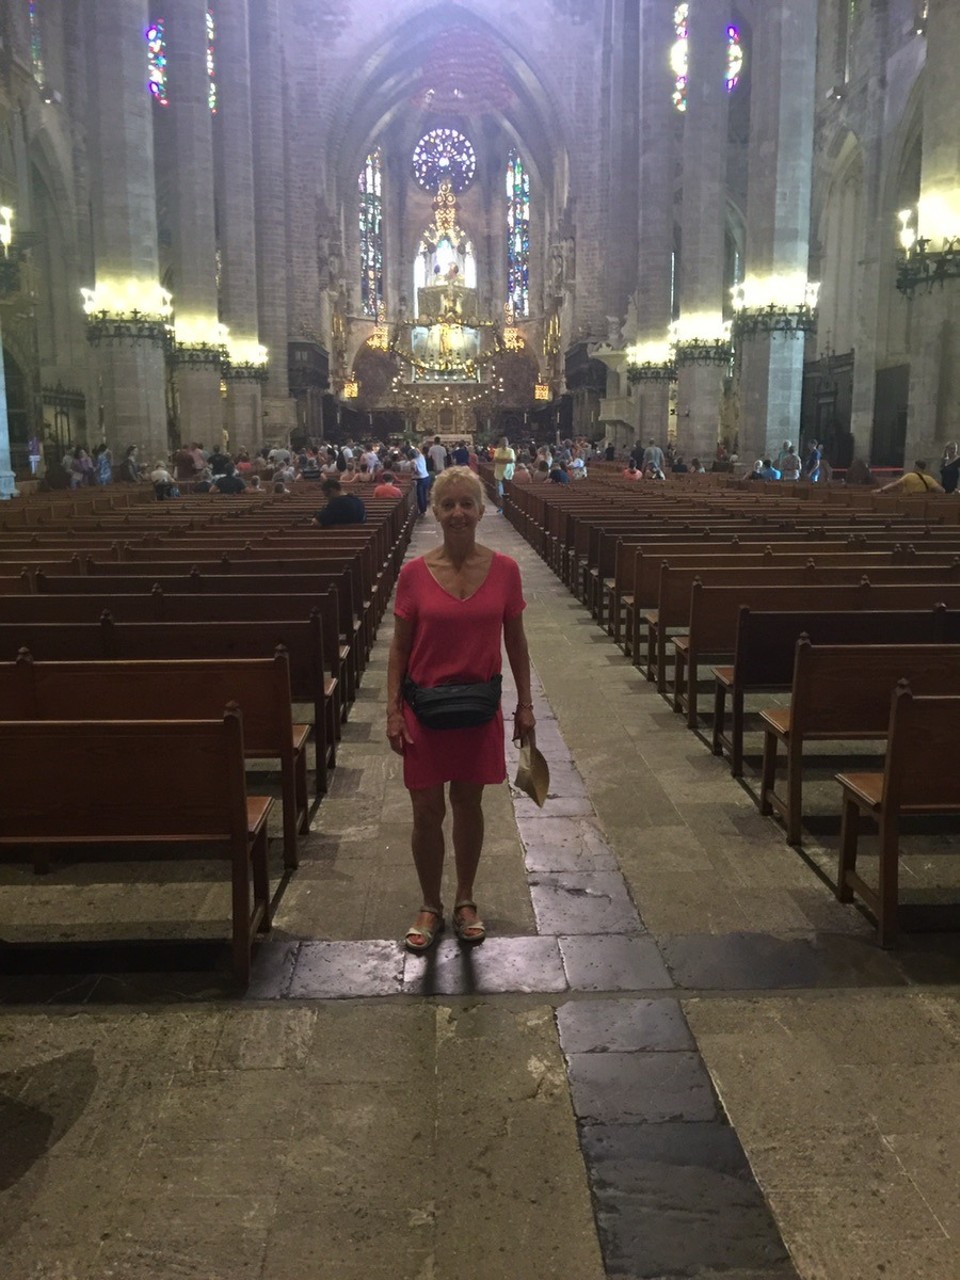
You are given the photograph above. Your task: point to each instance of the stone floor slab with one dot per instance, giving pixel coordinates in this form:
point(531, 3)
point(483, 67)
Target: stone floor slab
point(613, 962)
point(582, 902)
point(624, 1026)
point(501, 964)
point(757, 961)
point(344, 970)
point(630, 1088)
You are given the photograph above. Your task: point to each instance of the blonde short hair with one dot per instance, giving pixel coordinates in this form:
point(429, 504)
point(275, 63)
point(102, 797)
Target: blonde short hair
point(456, 475)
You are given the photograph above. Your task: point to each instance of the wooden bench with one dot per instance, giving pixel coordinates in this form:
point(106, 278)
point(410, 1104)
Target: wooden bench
point(176, 690)
point(174, 786)
point(765, 648)
point(302, 639)
point(842, 692)
point(676, 586)
point(919, 777)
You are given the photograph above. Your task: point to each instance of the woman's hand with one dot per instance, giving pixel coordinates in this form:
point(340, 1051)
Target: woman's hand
point(397, 732)
point(524, 721)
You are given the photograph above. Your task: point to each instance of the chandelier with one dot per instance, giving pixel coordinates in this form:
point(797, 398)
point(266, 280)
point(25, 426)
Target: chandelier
point(928, 260)
point(701, 339)
point(651, 362)
point(775, 304)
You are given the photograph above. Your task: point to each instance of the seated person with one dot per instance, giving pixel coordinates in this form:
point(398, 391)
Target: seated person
point(229, 482)
point(164, 485)
point(768, 471)
point(341, 508)
point(915, 481)
point(633, 472)
point(386, 488)
point(521, 474)
point(652, 472)
point(558, 473)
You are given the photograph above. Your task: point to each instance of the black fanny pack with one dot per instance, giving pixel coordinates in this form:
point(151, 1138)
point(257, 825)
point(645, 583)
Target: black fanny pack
point(453, 706)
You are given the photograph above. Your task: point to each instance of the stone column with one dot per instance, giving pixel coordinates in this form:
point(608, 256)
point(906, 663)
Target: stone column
point(267, 89)
point(658, 156)
point(703, 219)
point(934, 408)
point(778, 218)
point(233, 139)
point(124, 221)
point(8, 483)
point(195, 241)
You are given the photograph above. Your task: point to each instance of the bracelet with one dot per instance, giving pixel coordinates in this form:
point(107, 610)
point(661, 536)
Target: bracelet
point(524, 706)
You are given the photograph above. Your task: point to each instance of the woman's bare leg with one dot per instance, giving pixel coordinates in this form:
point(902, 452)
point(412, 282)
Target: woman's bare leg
point(426, 842)
point(466, 802)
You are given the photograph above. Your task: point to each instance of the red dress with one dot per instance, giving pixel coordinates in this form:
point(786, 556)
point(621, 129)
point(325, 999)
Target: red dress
point(456, 642)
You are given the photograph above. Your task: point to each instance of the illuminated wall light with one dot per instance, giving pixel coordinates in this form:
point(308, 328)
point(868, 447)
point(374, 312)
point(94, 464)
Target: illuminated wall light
point(907, 234)
point(541, 391)
point(938, 215)
point(6, 227)
point(247, 351)
point(650, 352)
point(351, 389)
point(702, 326)
point(124, 297)
point(200, 331)
point(790, 290)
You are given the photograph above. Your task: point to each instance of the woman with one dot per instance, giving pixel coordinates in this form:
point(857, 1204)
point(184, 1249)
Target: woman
point(504, 460)
point(103, 462)
point(464, 590)
point(129, 468)
point(950, 467)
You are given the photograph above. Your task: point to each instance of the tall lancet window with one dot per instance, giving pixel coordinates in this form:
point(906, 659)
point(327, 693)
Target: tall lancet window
point(518, 235)
point(157, 61)
point(371, 235)
point(211, 62)
point(36, 42)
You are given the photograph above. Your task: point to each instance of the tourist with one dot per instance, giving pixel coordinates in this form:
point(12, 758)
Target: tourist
point(341, 508)
point(950, 467)
point(387, 487)
point(915, 481)
point(449, 631)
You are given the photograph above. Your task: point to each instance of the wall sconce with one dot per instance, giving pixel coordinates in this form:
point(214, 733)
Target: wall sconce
point(928, 260)
point(351, 389)
point(702, 338)
point(766, 305)
point(127, 310)
point(246, 360)
point(541, 391)
point(651, 362)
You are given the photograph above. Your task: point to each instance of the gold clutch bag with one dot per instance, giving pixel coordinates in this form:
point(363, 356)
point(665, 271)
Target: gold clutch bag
point(533, 772)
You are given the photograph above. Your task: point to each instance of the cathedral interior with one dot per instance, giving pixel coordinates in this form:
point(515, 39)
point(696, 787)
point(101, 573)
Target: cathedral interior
point(259, 222)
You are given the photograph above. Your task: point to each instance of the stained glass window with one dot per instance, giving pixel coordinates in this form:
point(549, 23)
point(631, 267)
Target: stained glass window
point(444, 154)
point(518, 235)
point(371, 235)
point(211, 62)
point(680, 57)
point(36, 42)
point(734, 58)
point(157, 62)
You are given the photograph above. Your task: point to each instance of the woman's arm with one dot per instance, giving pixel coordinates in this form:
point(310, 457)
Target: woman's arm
point(518, 655)
point(400, 647)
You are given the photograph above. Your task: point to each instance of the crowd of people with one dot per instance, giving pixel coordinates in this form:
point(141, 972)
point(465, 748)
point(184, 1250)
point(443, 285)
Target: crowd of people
point(195, 469)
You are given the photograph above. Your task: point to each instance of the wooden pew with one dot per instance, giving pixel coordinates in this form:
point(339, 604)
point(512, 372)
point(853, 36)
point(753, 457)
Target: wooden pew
point(107, 640)
point(177, 690)
point(842, 692)
point(765, 647)
point(287, 584)
point(676, 585)
point(919, 777)
point(174, 786)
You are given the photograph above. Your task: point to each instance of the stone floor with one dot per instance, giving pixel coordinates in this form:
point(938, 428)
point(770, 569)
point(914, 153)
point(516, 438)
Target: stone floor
point(676, 1054)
